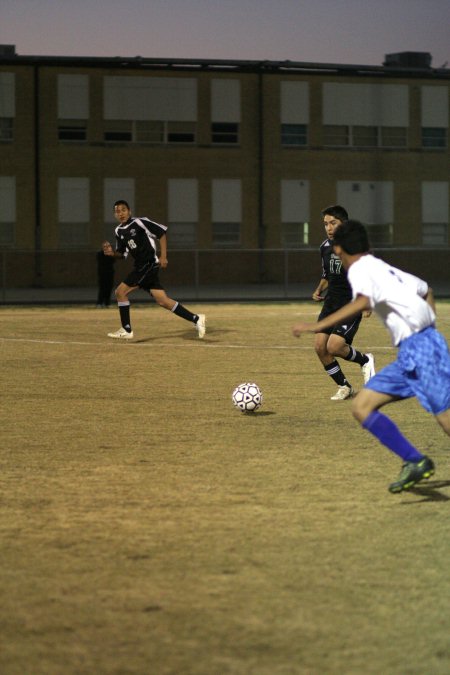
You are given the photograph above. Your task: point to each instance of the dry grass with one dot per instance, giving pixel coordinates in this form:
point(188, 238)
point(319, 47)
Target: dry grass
point(150, 528)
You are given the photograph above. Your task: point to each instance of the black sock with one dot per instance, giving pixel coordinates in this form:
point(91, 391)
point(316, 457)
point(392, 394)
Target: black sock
point(124, 309)
point(335, 372)
point(357, 357)
point(179, 310)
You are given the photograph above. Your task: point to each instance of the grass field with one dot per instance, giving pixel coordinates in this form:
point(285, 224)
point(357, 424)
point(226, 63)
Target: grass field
point(150, 528)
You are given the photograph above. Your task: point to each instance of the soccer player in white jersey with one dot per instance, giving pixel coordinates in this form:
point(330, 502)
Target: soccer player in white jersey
point(405, 304)
point(137, 237)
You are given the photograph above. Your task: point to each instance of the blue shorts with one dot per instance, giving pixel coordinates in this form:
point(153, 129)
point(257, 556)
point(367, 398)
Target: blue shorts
point(422, 369)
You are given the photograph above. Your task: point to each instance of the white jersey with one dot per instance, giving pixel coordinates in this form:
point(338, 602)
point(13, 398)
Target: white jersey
point(396, 296)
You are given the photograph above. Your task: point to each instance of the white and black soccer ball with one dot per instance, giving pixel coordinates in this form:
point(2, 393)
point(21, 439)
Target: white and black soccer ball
point(247, 397)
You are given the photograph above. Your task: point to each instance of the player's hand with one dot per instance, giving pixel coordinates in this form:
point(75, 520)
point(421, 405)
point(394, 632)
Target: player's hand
point(163, 262)
point(300, 328)
point(317, 297)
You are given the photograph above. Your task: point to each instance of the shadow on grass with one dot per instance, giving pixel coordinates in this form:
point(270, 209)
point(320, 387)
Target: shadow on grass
point(259, 413)
point(430, 491)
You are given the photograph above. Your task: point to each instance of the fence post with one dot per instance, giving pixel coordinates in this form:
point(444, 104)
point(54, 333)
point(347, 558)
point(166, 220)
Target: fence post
point(197, 273)
point(3, 276)
point(286, 273)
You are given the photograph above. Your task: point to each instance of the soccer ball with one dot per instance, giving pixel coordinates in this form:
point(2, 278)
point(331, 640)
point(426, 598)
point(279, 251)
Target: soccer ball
point(247, 397)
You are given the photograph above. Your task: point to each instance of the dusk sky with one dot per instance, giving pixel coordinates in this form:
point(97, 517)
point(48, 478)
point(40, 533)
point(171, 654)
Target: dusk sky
point(325, 31)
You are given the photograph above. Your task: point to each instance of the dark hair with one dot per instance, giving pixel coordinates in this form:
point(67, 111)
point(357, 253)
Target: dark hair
point(352, 237)
point(336, 211)
point(121, 201)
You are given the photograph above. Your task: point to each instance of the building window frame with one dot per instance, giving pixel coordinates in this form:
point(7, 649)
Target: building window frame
point(294, 135)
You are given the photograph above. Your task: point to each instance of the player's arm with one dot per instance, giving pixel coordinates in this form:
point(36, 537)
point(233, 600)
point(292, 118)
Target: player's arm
point(318, 293)
point(360, 304)
point(163, 251)
point(108, 250)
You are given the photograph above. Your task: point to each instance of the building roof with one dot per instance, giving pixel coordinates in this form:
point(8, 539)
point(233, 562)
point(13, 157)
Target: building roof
point(403, 64)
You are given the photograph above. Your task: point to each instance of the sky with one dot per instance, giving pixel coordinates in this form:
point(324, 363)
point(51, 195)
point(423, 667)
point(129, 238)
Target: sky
point(321, 31)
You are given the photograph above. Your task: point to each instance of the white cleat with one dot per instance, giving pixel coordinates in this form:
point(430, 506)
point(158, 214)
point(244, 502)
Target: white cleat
point(343, 393)
point(368, 369)
point(201, 326)
point(121, 334)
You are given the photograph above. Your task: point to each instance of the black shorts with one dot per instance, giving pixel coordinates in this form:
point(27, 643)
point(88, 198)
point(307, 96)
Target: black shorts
point(146, 278)
point(346, 330)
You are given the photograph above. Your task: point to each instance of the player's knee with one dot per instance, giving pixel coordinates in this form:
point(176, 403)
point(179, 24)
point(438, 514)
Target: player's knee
point(360, 408)
point(333, 350)
point(444, 421)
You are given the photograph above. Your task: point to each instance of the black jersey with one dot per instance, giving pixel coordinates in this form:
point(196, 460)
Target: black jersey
point(137, 237)
point(339, 291)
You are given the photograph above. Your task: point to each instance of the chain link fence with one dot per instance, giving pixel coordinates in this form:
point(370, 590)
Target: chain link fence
point(71, 275)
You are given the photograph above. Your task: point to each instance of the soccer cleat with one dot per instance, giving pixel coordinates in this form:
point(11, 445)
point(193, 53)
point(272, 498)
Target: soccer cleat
point(368, 369)
point(342, 393)
point(201, 326)
point(121, 334)
point(412, 473)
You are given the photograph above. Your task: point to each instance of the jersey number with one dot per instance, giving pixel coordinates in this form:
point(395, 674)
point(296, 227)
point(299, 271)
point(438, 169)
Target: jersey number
point(335, 265)
point(131, 243)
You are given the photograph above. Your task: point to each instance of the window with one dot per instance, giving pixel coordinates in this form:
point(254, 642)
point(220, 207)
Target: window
point(435, 234)
point(146, 109)
point(294, 113)
point(226, 234)
point(183, 212)
point(73, 211)
point(336, 135)
point(118, 131)
point(226, 212)
point(225, 132)
point(225, 111)
point(295, 235)
point(7, 106)
point(181, 132)
point(183, 235)
point(372, 202)
point(73, 107)
point(434, 116)
point(72, 130)
point(435, 213)
point(6, 129)
point(381, 235)
point(149, 131)
point(393, 137)
point(362, 136)
point(8, 210)
point(152, 132)
point(294, 134)
point(294, 198)
point(434, 137)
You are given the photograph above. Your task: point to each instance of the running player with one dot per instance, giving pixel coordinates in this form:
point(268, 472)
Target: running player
point(137, 237)
point(405, 304)
point(336, 341)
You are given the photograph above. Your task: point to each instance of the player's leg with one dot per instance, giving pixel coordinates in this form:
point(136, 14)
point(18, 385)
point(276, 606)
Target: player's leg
point(122, 291)
point(444, 421)
point(164, 301)
point(332, 367)
point(365, 409)
point(340, 345)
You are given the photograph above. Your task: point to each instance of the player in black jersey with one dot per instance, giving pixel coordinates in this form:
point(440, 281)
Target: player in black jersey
point(337, 341)
point(137, 237)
